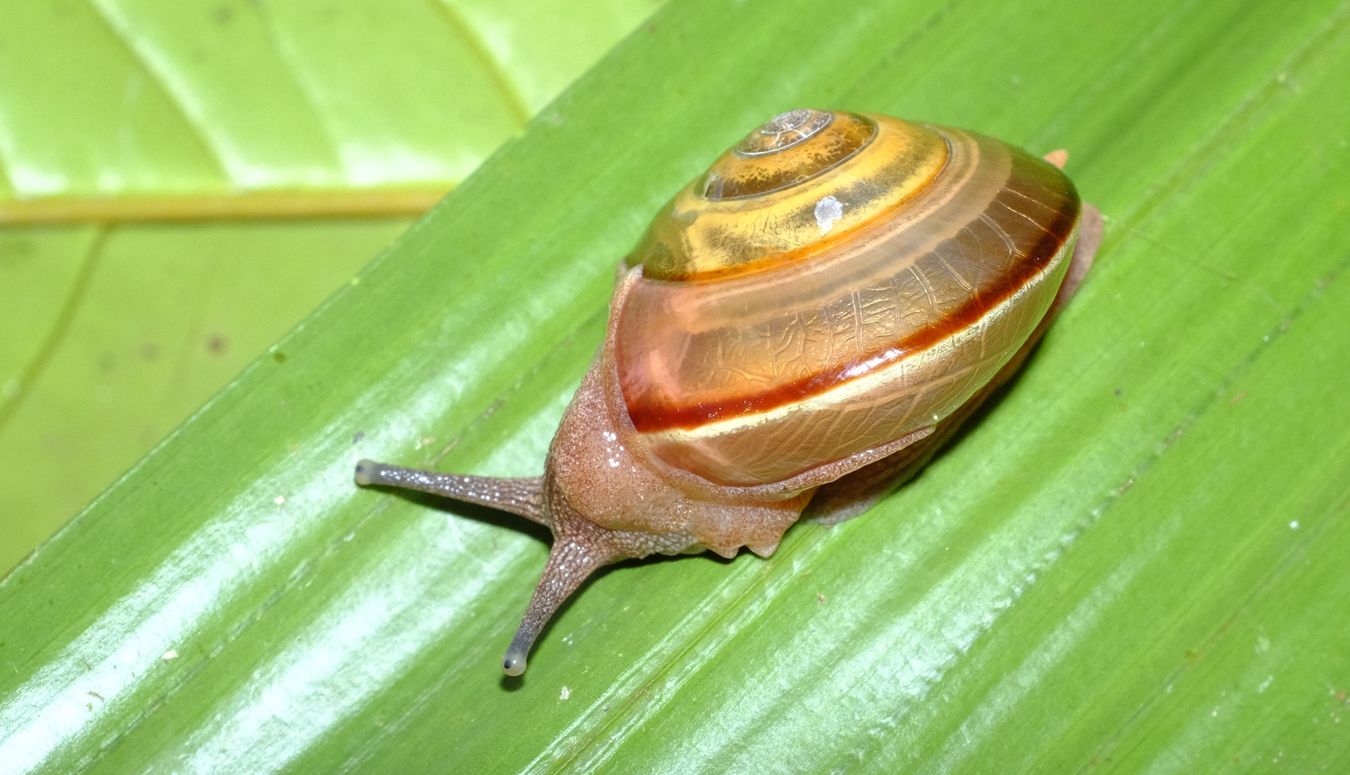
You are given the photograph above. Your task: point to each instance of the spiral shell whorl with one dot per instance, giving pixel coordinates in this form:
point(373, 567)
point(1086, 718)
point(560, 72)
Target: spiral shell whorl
point(788, 189)
point(789, 150)
point(784, 131)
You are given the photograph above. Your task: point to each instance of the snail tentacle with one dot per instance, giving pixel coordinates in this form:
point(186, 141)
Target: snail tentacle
point(522, 496)
point(570, 562)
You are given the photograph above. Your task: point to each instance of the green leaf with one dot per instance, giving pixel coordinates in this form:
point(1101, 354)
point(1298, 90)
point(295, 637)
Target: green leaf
point(150, 117)
point(1134, 561)
point(179, 108)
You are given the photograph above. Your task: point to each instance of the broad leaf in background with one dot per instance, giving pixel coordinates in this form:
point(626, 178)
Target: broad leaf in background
point(1134, 561)
point(136, 115)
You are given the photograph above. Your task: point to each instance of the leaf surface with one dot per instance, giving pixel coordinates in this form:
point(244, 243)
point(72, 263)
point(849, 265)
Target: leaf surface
point(1133, 562)
point(180, 183)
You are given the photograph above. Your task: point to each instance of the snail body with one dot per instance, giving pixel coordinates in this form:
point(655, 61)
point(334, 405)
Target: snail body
point(798, 329)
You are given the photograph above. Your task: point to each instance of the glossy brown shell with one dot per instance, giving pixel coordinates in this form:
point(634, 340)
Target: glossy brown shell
point(835, 282)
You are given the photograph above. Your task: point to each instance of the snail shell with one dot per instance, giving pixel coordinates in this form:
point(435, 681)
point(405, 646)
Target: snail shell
point(809, 318)
point(835, 282)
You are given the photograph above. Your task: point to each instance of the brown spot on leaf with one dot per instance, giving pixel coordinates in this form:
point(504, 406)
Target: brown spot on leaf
point(216, 344)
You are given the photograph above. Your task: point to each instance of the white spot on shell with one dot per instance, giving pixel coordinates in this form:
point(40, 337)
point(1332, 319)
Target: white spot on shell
point(169, 655)
point(565, 693)
point(828, 211)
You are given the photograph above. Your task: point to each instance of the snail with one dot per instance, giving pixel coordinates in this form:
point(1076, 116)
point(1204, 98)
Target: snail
point(796, 333)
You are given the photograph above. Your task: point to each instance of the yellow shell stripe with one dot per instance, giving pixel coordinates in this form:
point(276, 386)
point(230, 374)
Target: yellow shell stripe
point(817, 198)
